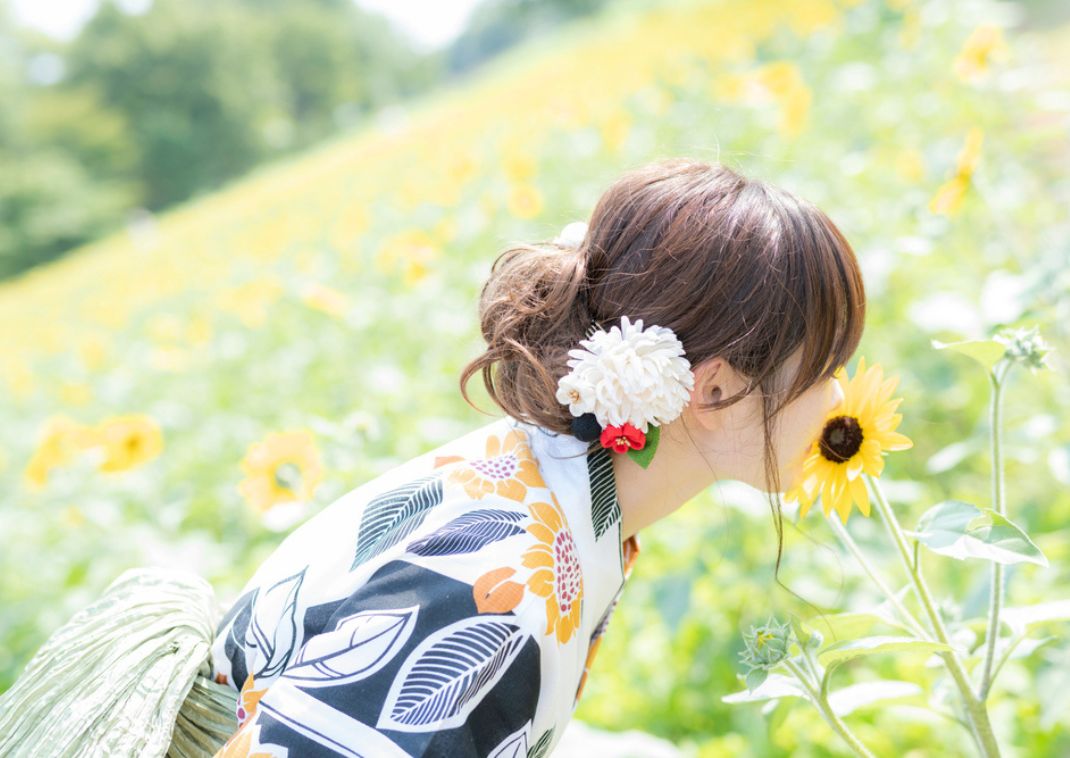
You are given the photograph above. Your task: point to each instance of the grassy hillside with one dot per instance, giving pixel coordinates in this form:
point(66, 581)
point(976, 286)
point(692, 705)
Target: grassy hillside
point(316, 315)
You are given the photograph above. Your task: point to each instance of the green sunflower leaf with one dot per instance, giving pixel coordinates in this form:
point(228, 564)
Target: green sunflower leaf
point(851, 624)
point(853, 697)
point(845, 650)
point(985, 352)
point(772, 687)
point(1020, 618)
point(755, 677)
point(963, 530)
point(643, 457)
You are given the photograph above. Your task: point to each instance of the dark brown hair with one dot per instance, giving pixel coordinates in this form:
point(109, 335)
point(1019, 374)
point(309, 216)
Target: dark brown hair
point(735, 266)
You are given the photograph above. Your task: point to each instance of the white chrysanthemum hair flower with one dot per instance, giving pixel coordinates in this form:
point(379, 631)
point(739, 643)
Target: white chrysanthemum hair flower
point(628, 375)
point(573, 234)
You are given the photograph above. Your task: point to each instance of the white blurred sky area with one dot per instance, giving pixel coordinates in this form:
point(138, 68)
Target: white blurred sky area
point(430, 23)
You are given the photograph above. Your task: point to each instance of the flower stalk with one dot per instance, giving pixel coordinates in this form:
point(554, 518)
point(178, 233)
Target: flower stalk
point(820, 701)
point(975, 706)
point(996, 379)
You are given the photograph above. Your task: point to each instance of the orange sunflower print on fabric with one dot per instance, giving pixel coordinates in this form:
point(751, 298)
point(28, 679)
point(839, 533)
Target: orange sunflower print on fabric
point(557, 575)
point(508, 468)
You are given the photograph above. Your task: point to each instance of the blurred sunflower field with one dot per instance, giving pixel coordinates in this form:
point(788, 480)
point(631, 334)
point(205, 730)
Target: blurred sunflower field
point(185, 392)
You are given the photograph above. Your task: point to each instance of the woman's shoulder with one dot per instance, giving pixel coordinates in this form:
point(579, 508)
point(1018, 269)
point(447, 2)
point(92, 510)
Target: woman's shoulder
point(492, 536)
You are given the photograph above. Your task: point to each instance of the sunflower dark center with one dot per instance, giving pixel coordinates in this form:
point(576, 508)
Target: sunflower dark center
point(841, 438)
point(288, 476)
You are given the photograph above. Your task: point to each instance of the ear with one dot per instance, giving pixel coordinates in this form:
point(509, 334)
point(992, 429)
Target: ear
point(710, 385)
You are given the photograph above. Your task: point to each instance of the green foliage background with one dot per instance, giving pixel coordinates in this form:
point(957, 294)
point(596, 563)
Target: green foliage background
point(404, 218)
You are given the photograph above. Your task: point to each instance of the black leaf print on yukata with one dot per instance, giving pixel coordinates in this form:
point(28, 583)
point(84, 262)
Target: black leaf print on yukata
point(605, 510)
point(272, 632)
point(356, 648)
point(469, 533)
point(447, 675)
point(515, 745)
point(239, 616)
point(542, 748)
point(393, 515)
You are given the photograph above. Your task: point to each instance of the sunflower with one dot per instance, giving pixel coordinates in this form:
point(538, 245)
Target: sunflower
point(61, 440)
point(508, 468)
point(282, 468)
point(557, 575)
point(854, 436)
point(129, 441)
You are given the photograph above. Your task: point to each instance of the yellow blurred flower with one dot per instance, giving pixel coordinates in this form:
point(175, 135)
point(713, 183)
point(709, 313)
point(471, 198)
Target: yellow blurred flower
point(128, 441)
point(949, 195)
point(615, 129)
point(411, 252)
point(780, 78)
point(910, 164)
point(250, 300)
point(518, 164)
point(970, 152)
point(282, 468)
point(75, 393)
point(984, 45)
point(92, 349)
point(60, 441)
point(72, 516)
point(462, 168)
point(805, 17)
point(780, 82)
point(525, 201)
point(855, 435)
point(326, 299)
point(349, 226)
point(18, 377)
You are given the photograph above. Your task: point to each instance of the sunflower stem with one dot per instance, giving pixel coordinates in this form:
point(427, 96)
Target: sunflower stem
point(822, 704)
point(995, 378)
point(852, 547)
point(975, 706)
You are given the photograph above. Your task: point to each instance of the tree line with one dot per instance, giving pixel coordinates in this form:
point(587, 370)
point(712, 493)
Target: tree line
point(140, 111)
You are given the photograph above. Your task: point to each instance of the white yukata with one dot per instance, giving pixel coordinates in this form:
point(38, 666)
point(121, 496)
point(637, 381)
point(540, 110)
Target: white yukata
point(450, 607)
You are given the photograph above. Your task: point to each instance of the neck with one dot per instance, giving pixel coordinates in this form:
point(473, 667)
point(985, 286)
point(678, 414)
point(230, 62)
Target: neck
point(677, 473)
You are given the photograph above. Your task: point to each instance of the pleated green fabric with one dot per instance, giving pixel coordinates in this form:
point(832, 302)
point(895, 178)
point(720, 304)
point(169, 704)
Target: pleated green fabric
point(128, 675)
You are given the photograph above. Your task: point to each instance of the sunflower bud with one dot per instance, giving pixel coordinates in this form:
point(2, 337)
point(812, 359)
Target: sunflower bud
point(766, 645)
point(1025, 346)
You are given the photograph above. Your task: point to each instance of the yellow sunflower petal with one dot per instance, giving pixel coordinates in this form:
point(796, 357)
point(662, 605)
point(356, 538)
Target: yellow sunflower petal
point(547, 514)
point(535, 557)
point(895, 441)
point(854, 466)
point(513, 442)
point(512, 489)
point(859, 495)
point(542, 532)
point(530, 474)
point(541, 582)
point(870, 452)
point(552, 613)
